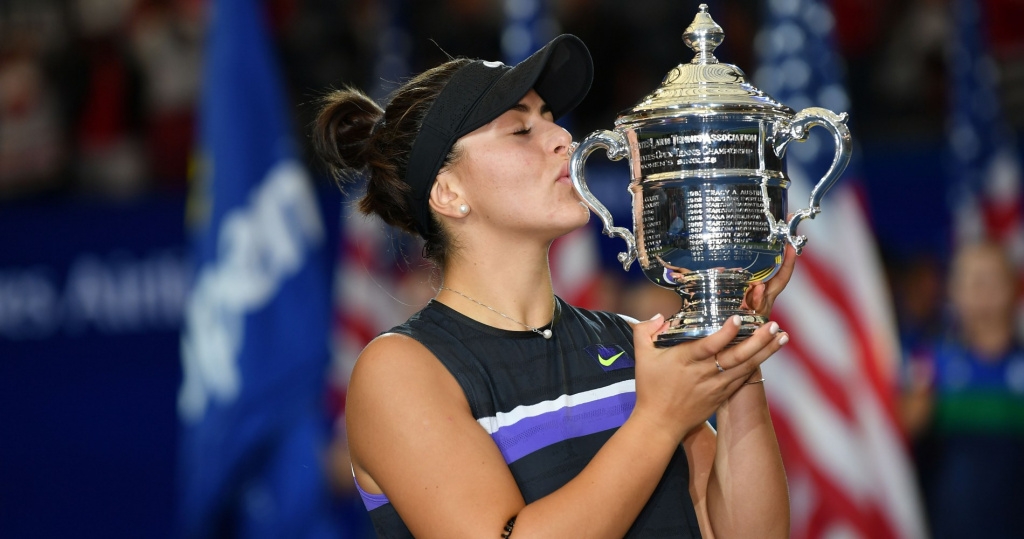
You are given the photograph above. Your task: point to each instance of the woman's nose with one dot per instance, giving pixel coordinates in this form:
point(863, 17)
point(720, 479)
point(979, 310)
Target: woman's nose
point(561, 139)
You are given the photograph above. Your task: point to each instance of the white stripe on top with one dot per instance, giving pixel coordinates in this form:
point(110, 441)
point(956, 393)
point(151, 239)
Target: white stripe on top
point(504, 419)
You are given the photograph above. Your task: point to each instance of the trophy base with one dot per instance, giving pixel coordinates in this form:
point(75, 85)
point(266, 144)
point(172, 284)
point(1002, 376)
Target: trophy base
point(710, 298)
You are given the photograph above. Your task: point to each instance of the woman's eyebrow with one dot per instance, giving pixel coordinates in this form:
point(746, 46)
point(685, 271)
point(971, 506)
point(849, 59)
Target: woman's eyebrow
point(523, 107)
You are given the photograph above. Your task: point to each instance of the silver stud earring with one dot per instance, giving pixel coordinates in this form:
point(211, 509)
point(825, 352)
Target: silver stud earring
point(463, 209)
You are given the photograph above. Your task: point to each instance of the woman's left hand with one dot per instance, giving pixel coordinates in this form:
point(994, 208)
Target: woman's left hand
point(761, 295)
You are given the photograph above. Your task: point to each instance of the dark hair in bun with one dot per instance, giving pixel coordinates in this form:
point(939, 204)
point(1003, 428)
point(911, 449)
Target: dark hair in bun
point(353, 134)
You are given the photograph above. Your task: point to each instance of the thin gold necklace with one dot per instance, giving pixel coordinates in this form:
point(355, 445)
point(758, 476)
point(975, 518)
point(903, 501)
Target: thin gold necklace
point(546, 333)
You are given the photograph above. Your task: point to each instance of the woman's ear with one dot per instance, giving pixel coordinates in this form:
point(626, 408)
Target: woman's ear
point(446, 196)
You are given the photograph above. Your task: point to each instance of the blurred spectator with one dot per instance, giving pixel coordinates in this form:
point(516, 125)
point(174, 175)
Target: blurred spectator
point(964, 405)
point(166, 40)
point(110, 159)
point(32, 148)
point(1007, 45)
point(910, 73)
point(917, 288)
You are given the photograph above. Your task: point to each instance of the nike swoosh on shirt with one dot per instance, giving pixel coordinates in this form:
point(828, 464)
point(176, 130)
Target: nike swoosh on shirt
point(608, 362)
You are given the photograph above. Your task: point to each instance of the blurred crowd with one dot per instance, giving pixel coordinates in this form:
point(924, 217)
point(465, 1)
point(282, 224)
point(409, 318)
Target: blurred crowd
point(98, 97)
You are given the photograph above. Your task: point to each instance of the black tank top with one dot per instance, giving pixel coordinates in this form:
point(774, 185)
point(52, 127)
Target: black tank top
point(549, 405)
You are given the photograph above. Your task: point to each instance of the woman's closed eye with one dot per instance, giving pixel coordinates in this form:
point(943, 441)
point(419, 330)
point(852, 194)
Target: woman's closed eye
point(523, 131)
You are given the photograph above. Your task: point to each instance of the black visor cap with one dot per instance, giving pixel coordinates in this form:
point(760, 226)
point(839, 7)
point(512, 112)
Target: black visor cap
point(561, 73)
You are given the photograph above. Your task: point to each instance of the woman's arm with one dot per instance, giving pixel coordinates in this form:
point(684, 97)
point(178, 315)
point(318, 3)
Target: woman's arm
point(413, 437)
point(747, 494)
point(737, 479)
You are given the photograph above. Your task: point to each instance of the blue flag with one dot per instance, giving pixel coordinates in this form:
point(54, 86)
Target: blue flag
point(255, 344)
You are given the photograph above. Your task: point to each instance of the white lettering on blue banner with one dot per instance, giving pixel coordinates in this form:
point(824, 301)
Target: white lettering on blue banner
point(259, 246)
point(110, 294)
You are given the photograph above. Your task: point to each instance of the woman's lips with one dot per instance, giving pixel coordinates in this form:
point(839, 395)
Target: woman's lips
point(563, 176)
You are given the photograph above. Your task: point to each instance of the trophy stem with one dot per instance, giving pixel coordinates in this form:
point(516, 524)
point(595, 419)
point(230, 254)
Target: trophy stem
point(710, 298)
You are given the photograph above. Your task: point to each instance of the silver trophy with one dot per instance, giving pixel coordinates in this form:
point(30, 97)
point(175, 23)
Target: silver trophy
point(708, 184)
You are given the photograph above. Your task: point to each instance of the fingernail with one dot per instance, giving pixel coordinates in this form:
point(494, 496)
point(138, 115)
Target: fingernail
point(784, 339)
point(735, 319)
point(773, 328)
point(655, 317)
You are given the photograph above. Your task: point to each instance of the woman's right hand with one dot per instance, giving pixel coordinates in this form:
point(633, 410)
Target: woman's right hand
point(680, 387)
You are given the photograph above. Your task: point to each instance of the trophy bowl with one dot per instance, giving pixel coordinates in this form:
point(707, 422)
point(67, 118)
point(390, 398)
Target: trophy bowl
point(708, 186)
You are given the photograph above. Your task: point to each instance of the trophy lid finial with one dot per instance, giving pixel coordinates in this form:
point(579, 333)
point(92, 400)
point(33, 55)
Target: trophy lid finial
point(703, 36)
point(703, 85)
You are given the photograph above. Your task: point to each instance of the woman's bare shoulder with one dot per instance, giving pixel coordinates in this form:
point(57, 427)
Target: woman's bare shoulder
point(394, 345)
point(393, 362)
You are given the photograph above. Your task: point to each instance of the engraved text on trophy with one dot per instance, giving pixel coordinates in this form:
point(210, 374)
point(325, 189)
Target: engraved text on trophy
point(726, 148)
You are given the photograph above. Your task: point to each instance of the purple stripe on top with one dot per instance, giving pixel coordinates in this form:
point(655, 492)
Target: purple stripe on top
point(371, 501)
point(534, 433)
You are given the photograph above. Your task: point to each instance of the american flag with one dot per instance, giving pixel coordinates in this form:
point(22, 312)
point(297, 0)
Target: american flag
point(985, 182)
point(832, 389)
point(367, 297)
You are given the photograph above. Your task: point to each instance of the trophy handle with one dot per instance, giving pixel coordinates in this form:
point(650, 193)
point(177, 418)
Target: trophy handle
point(616, 147)
point(796, 129)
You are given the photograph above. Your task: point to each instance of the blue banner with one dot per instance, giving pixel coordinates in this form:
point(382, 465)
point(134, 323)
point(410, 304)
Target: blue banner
point(255, 344)
point(91, 296)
